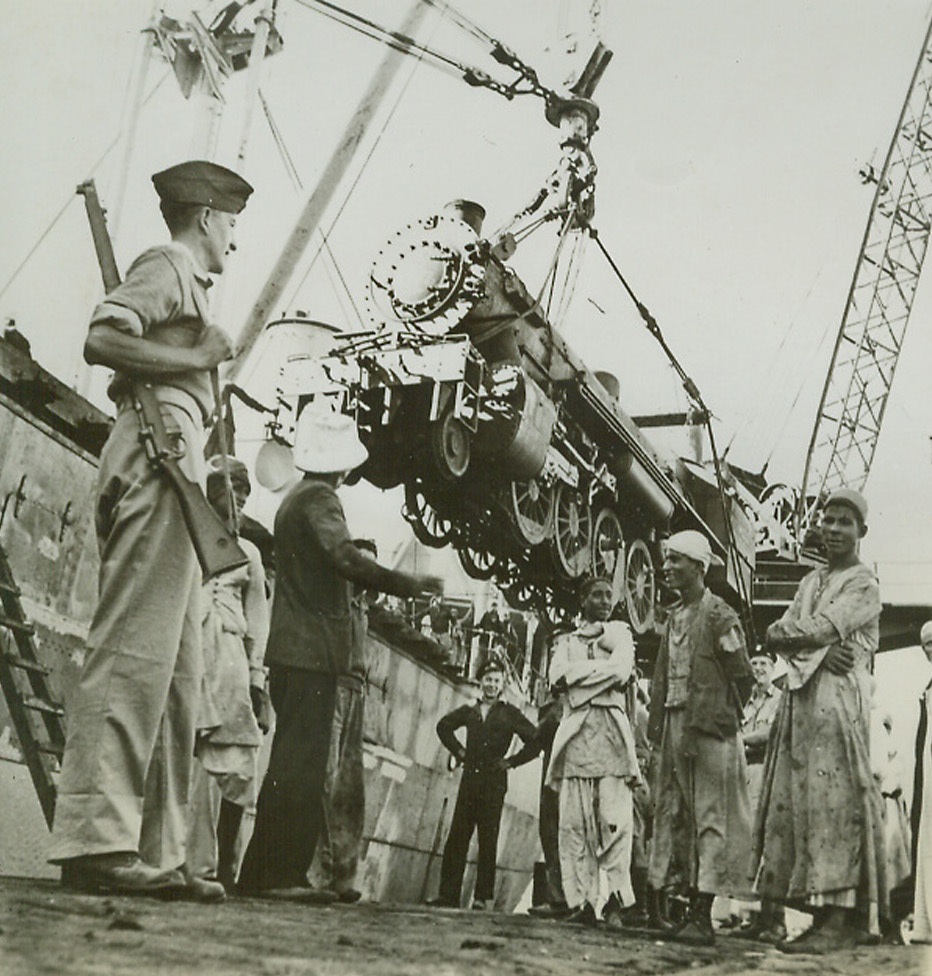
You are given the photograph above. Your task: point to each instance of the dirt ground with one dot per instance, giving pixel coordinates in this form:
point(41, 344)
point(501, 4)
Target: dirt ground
point(44, 931)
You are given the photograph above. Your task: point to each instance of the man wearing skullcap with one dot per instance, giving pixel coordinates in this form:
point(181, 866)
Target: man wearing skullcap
point(233, 710)
point(702, 678)
point(310, 643)
point(120, 819)
point(921, 818)
point(819, 827)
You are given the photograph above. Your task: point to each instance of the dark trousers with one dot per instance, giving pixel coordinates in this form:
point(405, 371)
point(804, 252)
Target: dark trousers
point(548, 826)
point(289, 812)
point(478, 807)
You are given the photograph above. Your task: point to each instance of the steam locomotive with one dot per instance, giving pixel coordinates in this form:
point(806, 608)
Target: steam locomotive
point(508, 446)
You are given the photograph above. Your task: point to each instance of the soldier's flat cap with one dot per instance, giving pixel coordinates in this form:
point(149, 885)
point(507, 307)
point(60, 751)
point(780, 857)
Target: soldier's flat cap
point(201, 182)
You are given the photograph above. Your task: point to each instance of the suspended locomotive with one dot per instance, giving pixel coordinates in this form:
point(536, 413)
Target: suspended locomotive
point(508, 447)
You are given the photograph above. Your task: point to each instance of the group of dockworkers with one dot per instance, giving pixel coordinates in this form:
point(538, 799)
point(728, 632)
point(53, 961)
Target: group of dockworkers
point(715, 784)
point(166, 719)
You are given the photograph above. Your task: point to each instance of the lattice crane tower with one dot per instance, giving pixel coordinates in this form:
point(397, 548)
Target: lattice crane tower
point(880, 299)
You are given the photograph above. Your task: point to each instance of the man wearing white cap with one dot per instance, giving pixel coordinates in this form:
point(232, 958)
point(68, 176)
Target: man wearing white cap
point(309, 646)
point(702, 678)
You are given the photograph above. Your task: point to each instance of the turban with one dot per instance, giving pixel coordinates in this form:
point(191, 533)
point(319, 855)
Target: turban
point(691, 544)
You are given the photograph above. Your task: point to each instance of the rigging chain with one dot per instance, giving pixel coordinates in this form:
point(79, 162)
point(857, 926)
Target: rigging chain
point(692, 391)
point(472, 75)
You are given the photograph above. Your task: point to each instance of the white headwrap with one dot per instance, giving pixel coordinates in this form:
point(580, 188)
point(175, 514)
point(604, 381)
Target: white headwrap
point(925, 635)
point(691, 544)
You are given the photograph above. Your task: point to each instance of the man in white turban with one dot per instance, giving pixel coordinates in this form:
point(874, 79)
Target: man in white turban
point(702, 821)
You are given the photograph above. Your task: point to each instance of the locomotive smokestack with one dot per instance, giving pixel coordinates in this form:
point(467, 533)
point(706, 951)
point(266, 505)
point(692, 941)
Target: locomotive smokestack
point(468, 211)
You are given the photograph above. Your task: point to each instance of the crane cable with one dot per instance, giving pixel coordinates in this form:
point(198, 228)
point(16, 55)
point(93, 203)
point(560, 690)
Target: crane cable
point(692, 391)
point(408, 45)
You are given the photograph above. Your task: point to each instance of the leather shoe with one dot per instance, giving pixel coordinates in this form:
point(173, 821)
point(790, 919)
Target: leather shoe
point(583, 915)
point(694, 933)
point(823, 941)
point(554, 910)
point(117, 874)
point(348, 895)
point(442, 903)
point(205, 890)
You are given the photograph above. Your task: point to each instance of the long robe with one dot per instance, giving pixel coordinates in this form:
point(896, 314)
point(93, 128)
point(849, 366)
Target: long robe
point(819, 829)
point(922, 826)
point(594, 764)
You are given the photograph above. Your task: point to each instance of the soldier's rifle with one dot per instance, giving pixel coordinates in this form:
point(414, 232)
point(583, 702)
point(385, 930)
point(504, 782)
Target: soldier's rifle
point(216, 547)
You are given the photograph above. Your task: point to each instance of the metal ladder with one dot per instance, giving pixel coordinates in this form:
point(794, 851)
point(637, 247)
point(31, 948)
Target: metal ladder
point(38, 720)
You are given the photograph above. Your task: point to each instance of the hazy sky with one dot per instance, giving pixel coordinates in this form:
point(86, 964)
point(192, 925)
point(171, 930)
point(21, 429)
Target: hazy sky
point(730, 141)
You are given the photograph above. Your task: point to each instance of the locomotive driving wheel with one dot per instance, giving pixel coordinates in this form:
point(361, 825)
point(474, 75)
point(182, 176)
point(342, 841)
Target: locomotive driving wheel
point(477, 563)
point(640, 587)
point(532, 510)
point(608, 544)
point(430, 528)
point(572, 531)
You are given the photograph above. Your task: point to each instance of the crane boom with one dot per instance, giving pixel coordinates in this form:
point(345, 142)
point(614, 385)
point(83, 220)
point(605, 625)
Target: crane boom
point(877, 311)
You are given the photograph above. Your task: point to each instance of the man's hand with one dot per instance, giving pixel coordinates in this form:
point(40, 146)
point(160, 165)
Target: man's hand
point(213, 348)
point(839, 659)
point(261, 707)
point(501, 764)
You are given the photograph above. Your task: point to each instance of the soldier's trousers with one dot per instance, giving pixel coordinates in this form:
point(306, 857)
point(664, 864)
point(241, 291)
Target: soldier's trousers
point(131, 718)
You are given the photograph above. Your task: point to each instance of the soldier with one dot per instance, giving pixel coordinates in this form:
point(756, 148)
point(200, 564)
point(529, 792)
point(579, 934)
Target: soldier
point(123, 794)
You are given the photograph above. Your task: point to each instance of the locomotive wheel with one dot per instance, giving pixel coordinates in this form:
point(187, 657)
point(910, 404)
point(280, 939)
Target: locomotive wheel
point(522, 596)
point(640, 587)
point(430, 528)
point(450, 447)
point(532, 511)
point(608, 544)
point(477, 563)
point(572, 531)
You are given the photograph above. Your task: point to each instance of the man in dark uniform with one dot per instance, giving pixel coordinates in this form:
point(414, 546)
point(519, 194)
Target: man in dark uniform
point(309, 649)
point(490, 726)
point(120, 821)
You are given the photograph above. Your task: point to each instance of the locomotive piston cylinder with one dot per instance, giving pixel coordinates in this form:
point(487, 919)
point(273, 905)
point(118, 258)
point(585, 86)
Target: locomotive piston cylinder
point(632, 476)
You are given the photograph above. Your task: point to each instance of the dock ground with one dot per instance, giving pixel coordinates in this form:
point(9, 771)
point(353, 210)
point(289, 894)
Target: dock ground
point(46, 931)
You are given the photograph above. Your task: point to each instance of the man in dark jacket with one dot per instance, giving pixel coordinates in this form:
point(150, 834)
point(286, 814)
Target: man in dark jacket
point(310, 641)
point(702, 819)
point(490, 725)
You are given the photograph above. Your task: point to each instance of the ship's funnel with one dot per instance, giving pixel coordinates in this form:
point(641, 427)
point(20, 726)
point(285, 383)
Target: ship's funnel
point(468, 211)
